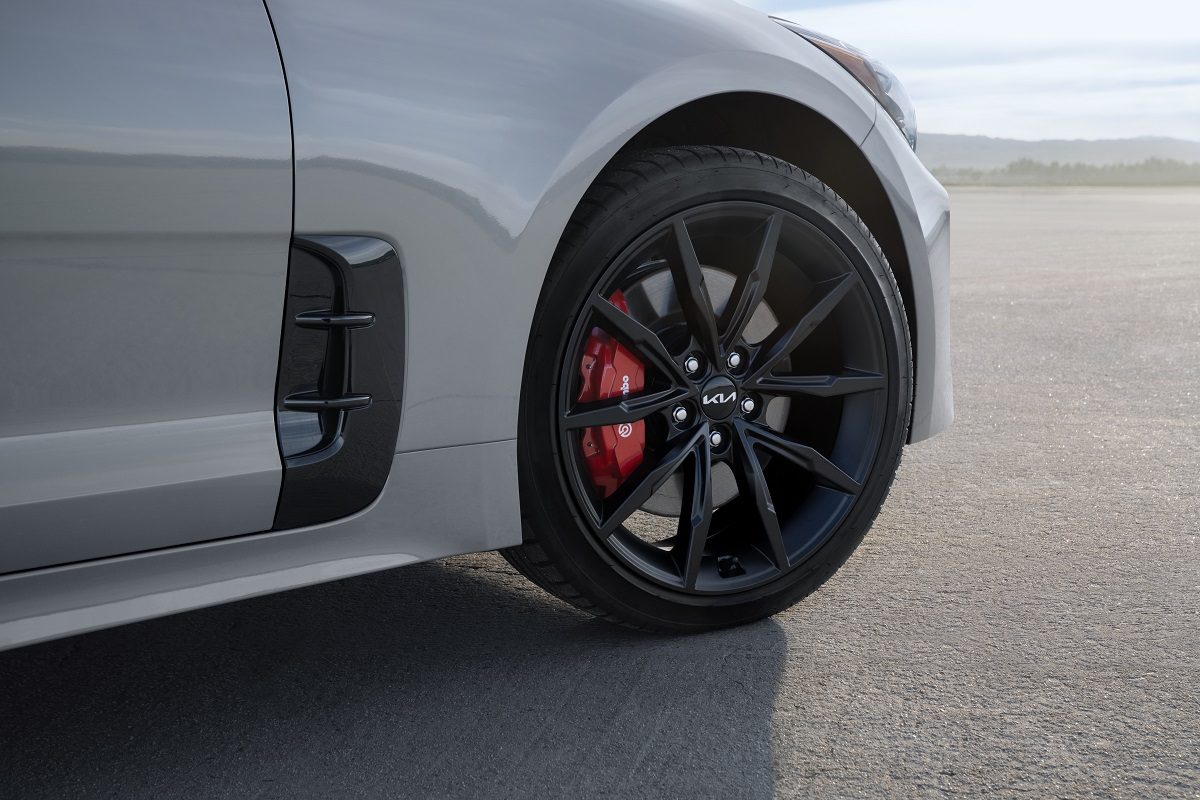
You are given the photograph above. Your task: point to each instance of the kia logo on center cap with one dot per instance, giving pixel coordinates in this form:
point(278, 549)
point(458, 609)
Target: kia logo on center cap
point(718, 398)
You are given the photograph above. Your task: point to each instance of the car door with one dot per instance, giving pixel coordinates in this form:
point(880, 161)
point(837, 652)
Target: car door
point(145, 218)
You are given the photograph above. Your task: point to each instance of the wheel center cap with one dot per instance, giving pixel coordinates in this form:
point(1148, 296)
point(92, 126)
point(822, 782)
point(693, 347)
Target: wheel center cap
point(718, 398)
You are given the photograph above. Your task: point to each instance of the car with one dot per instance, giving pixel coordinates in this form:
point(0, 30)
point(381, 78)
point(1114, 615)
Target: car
point(649, 296)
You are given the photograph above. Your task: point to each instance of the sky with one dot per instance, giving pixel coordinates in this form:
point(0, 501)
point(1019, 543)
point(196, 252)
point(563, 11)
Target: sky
point(1029, 69)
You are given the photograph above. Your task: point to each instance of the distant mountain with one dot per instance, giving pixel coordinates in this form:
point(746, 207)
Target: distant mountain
point(942, 152)
point(1151, 172)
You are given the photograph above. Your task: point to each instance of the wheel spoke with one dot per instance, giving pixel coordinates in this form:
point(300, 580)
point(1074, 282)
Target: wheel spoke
point(640, 338)
point(785, 339)
point(695, 516)
point(752, 485)
point(693, 295)
point(640, 489)
point(622, 409)
point(807, 458)
point(750, 288)
point(850, 382)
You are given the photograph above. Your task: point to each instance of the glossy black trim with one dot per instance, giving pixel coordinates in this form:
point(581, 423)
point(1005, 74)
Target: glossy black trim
point(313, 401)
point(340, 377)
point(326, 318)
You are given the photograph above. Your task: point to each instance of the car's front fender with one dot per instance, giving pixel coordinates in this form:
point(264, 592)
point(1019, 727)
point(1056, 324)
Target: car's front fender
point(468, 139)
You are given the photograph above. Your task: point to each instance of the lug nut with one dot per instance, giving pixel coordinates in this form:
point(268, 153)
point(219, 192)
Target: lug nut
point(680, 414)
point(748, 405)
point(734, 360)
point(692, 365)
point(715, 438)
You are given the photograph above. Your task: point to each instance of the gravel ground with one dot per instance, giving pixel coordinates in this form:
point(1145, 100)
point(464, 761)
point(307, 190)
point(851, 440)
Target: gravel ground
point(1024, 619)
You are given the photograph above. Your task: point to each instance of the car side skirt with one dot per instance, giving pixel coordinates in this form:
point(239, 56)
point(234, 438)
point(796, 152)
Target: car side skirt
point(436, 503)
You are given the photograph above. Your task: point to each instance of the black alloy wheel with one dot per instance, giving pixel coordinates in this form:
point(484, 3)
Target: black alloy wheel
point(774, 402)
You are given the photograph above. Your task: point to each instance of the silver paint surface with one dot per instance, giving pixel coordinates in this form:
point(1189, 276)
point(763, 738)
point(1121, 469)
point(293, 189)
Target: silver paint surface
point(145, 214)
point(82, 493)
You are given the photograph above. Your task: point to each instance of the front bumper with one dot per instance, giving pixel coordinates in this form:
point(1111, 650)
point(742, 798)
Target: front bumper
point(922, 208)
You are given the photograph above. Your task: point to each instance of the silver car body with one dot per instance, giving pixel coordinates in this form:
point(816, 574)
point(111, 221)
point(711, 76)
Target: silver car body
point(151, 178)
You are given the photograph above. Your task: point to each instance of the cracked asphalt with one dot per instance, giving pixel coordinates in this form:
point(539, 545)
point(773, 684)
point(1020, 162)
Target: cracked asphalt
point(1022, 621)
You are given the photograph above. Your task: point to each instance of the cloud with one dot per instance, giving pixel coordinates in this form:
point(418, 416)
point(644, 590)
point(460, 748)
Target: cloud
point(1031, 68)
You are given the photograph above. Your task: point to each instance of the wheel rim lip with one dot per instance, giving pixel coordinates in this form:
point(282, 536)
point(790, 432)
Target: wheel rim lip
point(612, 548)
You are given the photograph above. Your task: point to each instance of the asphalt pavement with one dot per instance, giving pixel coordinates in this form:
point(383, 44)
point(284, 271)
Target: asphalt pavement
point(1022, 621)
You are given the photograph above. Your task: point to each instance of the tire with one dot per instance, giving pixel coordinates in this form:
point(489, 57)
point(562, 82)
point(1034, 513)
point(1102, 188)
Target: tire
point(824, 464)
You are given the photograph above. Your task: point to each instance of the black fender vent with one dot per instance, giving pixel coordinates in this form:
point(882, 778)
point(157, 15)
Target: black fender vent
point(341, 366)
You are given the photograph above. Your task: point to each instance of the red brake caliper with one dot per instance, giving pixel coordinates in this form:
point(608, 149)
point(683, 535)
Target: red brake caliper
point(609, 369)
